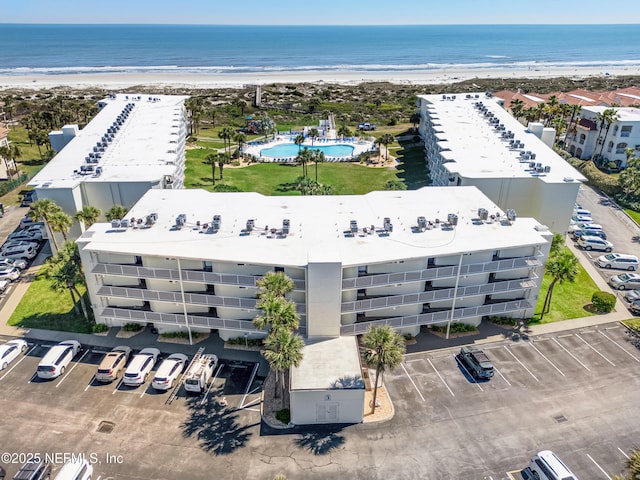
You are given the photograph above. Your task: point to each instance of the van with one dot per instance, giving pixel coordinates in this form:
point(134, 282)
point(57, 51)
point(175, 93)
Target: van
point(56, 360)
point(77, 469)
point(621, 261)
point(547, 466)
point(200, 373)
point(586, 226)
point(625, 281)
point(33, 470)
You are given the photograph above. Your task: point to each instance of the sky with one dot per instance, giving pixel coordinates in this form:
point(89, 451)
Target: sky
point(323, 12)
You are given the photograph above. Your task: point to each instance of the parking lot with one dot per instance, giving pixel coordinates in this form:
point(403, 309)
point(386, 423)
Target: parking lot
point(549, 392)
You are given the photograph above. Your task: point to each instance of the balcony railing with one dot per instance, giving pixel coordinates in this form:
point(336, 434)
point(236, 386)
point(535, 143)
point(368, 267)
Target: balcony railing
point(176, 297)
point(199, 321)
point(436, 295)
point(439, 272)
point(438, 317)
point(197, 276)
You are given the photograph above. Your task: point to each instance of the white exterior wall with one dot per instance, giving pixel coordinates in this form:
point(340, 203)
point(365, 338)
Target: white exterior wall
point(326, 406)
point(324, 293)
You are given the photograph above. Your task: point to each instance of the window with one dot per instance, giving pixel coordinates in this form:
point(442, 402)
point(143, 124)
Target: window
point(583, 137)
point(615, 130)
point(626, 131)
point(610, 147)
point(620, 148)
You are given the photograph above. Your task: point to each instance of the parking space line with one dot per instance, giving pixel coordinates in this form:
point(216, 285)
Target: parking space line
point(468, 372)
point(213, 380)
point(614, 342)
point(521, 364)
point(599, 467)
point(246, 390)
point(117, 387)
point(33, 377)
point(592, 348)
point(571, 354)
point(545, 357)
point(622, 452)
point(511, 476)
point(251, 403)
point(412, 382)
point(503, 377)
point(147, 387)
point(89, 384)
point(441, 379)
point(18, 362)
point(71, 369)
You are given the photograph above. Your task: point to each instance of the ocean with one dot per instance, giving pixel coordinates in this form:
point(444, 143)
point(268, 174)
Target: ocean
point(86, 49)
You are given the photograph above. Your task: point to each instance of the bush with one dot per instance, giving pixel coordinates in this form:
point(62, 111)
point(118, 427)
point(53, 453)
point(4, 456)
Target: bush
point(455, 328)
point(598, 179)
point(603, 301)
point(284, 415)
point(503, 321)
point(132, 327)
point(100, 328)
point(184, 335)
point(251, 342)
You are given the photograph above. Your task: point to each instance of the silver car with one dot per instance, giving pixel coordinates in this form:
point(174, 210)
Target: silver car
point(625, 281)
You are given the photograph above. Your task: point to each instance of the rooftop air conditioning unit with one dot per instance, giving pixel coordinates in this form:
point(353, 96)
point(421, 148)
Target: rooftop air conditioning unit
point(483, 214)
point(151, 219)
point(115, 223)
point(285, 226)
point(547, 169)
point(217, 223)
point(250, 224)
point(511, 215)
point(533, 156)
point(353, 226)
point(98, 171)
point(387, 225)
point(452, 219)
point(181, 220)
point(422, 223)
point(124, 223)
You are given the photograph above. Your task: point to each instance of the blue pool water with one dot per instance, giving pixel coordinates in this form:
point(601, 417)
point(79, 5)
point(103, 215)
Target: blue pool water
point(291, 150)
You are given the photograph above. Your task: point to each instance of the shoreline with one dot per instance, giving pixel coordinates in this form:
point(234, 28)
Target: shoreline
point(117, 81)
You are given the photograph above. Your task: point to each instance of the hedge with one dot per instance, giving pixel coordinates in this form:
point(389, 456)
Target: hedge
point(603, 301)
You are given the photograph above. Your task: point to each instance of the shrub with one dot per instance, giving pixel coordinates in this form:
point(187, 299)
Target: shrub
point(132, 327)
point(455, 328)
point(251, 342)
point(598, 179)
point(603, 301)
point(100, 328)
point(184, 335)
point(503, 320)
point(284, 415)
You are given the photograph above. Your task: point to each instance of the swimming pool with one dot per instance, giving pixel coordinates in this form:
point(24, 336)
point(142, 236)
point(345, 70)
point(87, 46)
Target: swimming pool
point(291, 150)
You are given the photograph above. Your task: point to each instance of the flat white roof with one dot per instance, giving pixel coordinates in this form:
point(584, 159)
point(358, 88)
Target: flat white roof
point(624, 114)
point(328, 365)
point(479, 151)
point(317, 224)
point(138, 152)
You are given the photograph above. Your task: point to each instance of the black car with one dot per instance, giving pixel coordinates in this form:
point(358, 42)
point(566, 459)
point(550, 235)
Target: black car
point(476, 362)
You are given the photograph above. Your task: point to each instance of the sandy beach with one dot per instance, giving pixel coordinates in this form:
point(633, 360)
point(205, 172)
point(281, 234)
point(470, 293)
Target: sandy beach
point(117, 81)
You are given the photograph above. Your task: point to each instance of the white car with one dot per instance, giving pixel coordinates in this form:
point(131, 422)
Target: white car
point(21, 252)
point(28, 235)
point(10, 351)
point(589, 242)
point(140, 366)
point(9, 273)
point(56, 360)
point(13, 262)
point(621, 261)
point(581, 219)
point(170, 368)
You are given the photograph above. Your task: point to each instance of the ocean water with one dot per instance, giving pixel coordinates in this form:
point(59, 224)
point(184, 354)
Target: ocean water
point(65, 49)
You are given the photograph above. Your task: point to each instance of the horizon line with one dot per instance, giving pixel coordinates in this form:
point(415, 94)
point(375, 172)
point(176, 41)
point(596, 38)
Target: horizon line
point(317, 25)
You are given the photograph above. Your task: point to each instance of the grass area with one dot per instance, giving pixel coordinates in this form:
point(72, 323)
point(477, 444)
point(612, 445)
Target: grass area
point(633, 214)
point(633, 323)
point(42, 307)
point(570, 299)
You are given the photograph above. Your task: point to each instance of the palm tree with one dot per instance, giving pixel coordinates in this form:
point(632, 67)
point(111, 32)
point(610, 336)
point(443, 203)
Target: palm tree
point(607, 118)
point(304, 157)
point(240, 105)
point(44, 210)
point(517, 108)
point(313, 134)
point(267, 126)
point(117, 212)
point(574, 110)
point(318, 157)
point(384, 348)
point(61, 222)
point(275, 283)
point(563, 267)
point(314, 103)
point(224, 159)
point(211, 159)
point(88, 215)
point(226, 134)
point(278, 313)
point(299, 141)
point(239, 138)
point(386, 140)
point(283, 350)
point(64, 272)
point(344, 131)
point(415, 120)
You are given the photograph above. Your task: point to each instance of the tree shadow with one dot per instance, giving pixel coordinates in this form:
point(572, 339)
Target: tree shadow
point(287, 187)
point(321, 441)
point(215, 427)
point(348, 382)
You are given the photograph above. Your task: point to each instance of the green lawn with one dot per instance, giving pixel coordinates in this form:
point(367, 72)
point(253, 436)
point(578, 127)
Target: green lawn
point(570, 299)
point(42, 307)
point(633, 323)
point(633, 214)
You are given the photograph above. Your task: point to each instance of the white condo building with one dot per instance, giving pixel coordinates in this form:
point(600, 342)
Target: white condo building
point(191, 259)
point(471, 139)
point(594, 137)
point(134, 144)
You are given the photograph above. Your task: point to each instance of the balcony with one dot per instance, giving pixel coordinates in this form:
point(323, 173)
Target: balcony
point(198, 276)
point(437, 295)
point(494, 309)
point(440, 272)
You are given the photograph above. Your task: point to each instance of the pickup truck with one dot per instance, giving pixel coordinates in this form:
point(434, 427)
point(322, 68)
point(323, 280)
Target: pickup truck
point(366, 126)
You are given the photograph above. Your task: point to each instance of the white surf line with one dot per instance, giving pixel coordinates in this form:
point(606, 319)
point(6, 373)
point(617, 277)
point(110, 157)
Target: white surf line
point(18, 362)
point(611, 340)
point(591, 347)
point(468, 373)
point(246, 390)
point(622, 452)
point(503, 377)
point(571, 354)
point(441, 379)
point(213, 381)
point(599, 467)
point(412, 382)
point(544, 356)
point(521, 364)
point(71, 369)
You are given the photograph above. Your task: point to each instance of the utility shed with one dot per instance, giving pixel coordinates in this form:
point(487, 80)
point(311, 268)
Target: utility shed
point(328, 387)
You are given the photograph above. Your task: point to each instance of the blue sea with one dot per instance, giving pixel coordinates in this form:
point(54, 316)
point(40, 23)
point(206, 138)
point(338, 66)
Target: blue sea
point(85, 49)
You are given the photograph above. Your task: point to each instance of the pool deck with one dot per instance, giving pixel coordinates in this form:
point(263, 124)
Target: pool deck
point(359, 146)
